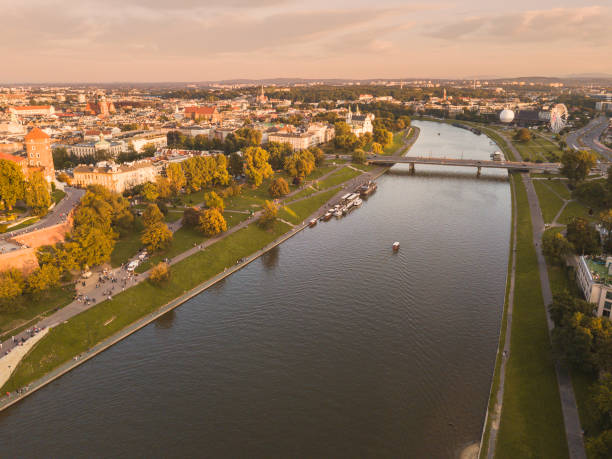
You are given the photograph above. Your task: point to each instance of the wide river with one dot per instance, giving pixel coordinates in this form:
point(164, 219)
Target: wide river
point(328, 346)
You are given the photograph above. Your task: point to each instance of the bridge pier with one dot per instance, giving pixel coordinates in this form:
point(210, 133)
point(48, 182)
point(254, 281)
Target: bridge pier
point(412, 171)
point(478, 171)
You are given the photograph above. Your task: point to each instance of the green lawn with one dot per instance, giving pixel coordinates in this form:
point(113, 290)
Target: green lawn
point(398, 142)
point(57, 195)
point(342, 175)
point(183, 239)
point(550, 203)
point(85, 330)
point(297, 212)
point(173, 216)
point(560, 186)
point(127, 245)
point(538, 148)
point(574, 209)
point(531, 419)
point(26, 307)
point(27, 222)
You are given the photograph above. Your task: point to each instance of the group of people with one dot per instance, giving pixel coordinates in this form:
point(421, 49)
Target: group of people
point(30, 332)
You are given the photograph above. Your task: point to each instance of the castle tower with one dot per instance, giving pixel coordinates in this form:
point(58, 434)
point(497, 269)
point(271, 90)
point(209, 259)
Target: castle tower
point(40, 157)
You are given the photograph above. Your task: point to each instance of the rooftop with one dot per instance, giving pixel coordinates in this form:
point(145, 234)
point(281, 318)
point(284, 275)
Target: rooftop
point(597, 267)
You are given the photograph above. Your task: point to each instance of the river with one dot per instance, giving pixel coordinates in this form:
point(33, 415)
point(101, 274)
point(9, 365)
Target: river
point(328, 346)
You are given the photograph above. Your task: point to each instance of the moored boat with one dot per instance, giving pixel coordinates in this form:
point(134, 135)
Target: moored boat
point(312, 222)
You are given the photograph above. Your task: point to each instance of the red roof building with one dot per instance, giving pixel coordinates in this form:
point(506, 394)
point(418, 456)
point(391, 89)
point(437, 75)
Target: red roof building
point(203, 113)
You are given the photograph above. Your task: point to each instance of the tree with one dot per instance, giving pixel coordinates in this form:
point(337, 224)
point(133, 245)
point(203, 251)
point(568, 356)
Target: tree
point(61, 158)
point(163, 187)
point(270, 212)
point(211, 222)
point(605, 218)
point(278, 152)
point(576, 165)
point(152, 215)
point(555, 246)
point(523, 135)
point(256, 166)
point(359, 156)
point(11, 183)
point(235, 164)
point(150, 192)
point(564, 306)
point(60, 255)
point(279, 187)
point(382, 136)
point(377, 148)
point(37, 194)
point(93, 246)
point(191, 217)
point(318, 155)
point(248, 137)
point(300, 164)
point(156, 236)
point(44, 278)
point(160, 273)
point(220, 173)
point(176, 177)
point(11, 284)
point(149, 150)
point(214, 201)
point(600, 447)
point(583, 236)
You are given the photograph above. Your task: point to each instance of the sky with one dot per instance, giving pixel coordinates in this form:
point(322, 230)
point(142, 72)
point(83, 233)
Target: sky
point(203, 40)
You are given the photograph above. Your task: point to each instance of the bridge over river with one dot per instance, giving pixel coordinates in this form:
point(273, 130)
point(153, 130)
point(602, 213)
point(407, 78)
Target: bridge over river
point(476, 163)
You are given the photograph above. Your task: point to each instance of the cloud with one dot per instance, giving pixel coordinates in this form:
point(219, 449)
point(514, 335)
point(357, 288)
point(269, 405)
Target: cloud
point(587, 24)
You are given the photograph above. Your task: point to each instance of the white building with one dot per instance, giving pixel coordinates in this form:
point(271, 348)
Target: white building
point(595, 280)
point(32, 110)
point(91, 148)
point(298, 140)
point(157, 139)
point(117, 178)
point(359, 124)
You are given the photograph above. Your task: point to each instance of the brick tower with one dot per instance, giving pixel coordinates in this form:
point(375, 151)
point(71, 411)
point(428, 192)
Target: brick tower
point(40, 157)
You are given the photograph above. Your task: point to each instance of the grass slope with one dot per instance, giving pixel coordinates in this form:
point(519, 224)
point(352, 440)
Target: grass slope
point(531, 419)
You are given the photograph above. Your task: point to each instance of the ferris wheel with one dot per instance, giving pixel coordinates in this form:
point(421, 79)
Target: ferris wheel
point(558, 118)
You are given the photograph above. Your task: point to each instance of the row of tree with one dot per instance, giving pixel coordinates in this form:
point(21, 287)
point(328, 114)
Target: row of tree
point(14, 186)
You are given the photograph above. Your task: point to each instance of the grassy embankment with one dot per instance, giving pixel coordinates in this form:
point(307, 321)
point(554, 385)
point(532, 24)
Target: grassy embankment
point(531, 419)
point(502, 339)
point(26, 309)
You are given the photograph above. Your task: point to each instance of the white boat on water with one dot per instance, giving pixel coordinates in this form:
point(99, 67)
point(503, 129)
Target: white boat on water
point(338, 213)
point(357, 202)
point(396, 246)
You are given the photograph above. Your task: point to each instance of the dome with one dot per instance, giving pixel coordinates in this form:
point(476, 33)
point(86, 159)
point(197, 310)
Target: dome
point(506, 116)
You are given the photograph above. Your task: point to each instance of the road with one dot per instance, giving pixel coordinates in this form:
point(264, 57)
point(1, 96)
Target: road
point(589, 135)
point(56, 215)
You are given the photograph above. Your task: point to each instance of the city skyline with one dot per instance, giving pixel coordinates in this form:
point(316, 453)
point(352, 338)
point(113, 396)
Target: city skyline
point(151, 41)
